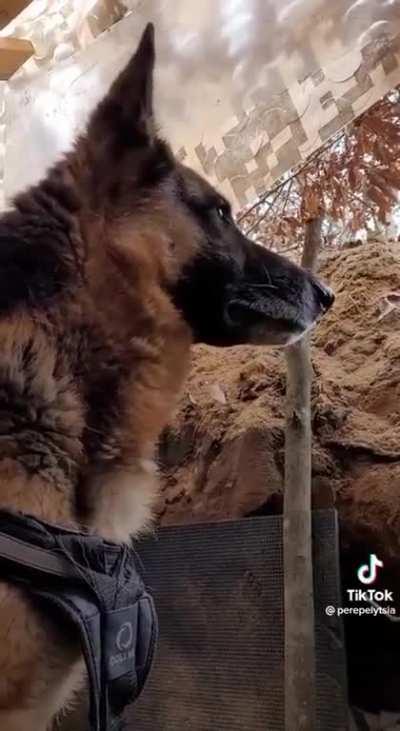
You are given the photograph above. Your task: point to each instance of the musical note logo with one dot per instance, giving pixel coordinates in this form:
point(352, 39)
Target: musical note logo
point(367, 572)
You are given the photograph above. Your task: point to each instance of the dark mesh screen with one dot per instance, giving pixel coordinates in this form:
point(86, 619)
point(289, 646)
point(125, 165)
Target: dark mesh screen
point(219, 595)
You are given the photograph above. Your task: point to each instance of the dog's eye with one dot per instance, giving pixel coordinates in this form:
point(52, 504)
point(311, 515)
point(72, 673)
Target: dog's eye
point(224, 213)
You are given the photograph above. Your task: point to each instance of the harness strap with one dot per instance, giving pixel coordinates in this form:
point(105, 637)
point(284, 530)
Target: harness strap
point(33, 557)
point(95, 585)
point(116, 675)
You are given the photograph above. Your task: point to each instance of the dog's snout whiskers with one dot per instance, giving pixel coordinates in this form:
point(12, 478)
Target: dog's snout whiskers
point(263, 286)
point(268, 276)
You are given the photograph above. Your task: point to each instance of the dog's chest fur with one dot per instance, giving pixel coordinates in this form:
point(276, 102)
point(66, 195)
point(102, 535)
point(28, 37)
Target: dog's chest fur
point(129, 375)
point(129, 391)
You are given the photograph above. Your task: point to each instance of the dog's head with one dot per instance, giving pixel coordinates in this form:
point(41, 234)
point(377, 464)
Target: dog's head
point(169, 220)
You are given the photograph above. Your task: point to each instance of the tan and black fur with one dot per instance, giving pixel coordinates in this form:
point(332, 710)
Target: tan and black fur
point(110, 269)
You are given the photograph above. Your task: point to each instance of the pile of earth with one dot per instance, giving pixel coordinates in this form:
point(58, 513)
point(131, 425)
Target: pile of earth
point(222, 455)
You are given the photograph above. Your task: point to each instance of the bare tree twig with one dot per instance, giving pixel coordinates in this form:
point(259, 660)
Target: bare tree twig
point(289, 190)
point(297, 172)
point(265, 214)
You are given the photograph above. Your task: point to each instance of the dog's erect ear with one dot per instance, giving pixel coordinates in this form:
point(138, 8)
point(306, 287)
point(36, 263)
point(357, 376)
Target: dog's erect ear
point(126, 113)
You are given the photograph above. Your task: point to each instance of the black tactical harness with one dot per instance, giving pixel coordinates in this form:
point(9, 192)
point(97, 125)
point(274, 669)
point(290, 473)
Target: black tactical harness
point(96, 585)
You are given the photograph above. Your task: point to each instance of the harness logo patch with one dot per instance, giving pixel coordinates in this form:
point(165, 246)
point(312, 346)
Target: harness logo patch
point(125, 637)
point(124, 643)
point(121, 637)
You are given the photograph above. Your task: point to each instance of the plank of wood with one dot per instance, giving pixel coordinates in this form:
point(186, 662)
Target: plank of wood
point(9, 9)
point(13, 53)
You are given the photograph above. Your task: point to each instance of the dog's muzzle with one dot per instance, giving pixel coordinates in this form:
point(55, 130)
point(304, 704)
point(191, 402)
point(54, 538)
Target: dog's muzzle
point(96, 585)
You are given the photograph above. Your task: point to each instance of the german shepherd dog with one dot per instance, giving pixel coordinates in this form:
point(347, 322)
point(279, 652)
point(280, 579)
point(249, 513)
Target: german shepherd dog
point(110, 268)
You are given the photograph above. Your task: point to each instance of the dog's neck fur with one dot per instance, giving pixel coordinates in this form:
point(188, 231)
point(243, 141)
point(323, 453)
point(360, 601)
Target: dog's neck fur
point(119, 331)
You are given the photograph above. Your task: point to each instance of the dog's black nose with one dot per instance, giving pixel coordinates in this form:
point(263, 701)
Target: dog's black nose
point(324, 295)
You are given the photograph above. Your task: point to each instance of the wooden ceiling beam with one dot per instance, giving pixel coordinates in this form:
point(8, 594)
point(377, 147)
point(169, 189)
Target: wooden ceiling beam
point(13, 53)
point(9, 9)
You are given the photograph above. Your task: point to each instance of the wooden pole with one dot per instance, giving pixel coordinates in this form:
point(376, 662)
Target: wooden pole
point(300, 695)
